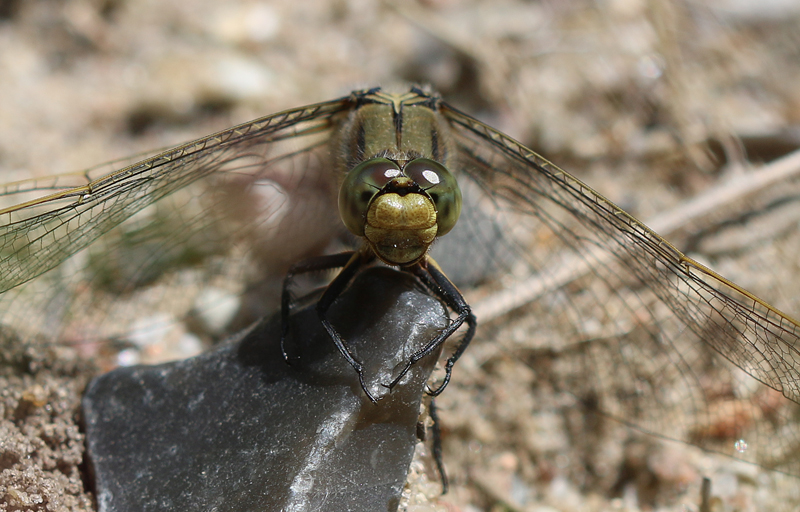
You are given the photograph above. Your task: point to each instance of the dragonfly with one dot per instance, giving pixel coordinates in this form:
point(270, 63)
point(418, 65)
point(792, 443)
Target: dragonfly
point(597, 303)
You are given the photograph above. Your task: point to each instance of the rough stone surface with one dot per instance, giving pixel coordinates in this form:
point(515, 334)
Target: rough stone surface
point(239, 429)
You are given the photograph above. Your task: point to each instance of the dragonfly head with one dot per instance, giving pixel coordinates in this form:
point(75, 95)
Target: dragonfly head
point(399, 207)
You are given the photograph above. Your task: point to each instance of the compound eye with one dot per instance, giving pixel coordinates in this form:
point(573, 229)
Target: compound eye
point(359, 187)
point(441, 186)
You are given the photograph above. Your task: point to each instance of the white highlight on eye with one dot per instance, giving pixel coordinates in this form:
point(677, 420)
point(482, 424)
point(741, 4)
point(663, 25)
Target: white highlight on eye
point(431, 176)
point(392, 173)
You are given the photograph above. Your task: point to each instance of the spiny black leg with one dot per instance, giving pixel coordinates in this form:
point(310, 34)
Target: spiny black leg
point(447, 291)
point(432, 276)
point(332, 292)
point(309, 265)
point(455, 300)
point(437, 446)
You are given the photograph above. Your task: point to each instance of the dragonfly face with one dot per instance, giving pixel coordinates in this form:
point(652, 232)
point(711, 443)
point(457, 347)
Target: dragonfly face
point(604, 309)
point(398, 209)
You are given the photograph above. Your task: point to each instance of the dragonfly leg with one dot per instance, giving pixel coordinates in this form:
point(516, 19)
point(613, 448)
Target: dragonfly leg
point(332, 292)
point(433, 277)
point(436, 432)
point(305, 266)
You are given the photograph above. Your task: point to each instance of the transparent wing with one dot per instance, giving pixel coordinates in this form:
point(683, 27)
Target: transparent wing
point(89, 256)
point(601, 307)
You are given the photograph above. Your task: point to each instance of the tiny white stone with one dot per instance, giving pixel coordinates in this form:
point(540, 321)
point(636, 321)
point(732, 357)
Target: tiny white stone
point(215, 308)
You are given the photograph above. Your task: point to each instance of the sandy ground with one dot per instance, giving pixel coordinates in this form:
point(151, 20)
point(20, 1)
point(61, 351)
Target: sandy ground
point(651, 102)
point(42, 447)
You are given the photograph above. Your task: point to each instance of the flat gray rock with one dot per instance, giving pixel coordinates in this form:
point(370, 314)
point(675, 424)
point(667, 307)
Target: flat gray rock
point(240, 429)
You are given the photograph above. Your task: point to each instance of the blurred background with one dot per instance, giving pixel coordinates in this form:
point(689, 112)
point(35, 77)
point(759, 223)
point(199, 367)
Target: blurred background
point(651, 102)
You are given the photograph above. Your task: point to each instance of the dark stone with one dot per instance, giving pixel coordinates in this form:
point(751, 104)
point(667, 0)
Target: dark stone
point(240, 429)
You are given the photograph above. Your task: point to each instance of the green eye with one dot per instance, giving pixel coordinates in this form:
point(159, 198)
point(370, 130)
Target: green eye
point(360, 186)
point(441, 185)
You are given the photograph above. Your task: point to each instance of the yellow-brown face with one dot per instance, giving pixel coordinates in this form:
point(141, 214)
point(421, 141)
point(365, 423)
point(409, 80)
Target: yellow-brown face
point(399, 207)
